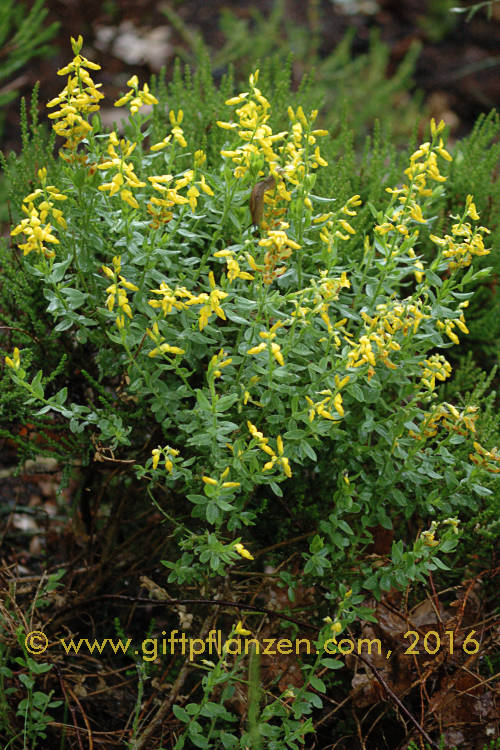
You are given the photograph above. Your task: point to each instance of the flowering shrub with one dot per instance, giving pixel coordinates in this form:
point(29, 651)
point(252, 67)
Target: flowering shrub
point(246, 363)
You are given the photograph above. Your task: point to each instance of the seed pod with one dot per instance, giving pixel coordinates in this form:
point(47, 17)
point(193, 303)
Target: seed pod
point(257, 198)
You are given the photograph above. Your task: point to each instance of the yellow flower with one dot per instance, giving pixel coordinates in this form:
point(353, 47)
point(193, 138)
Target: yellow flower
point(166, 349)
point(453, 522)
point(206, 188)
point(471, 208)
point(240, 630)
point(286, 466)
point(242, 551)
point(214, 299)
point(177, 131)
point(209, 480)
point(127, 196)
point(276, 350)
point(141, 97)
point(436, 129)
point(16, 362)
point(428, 538)
point(162, 144)
point(416, 214)
point(337, 402)
point(156, 453)
point(199, 158)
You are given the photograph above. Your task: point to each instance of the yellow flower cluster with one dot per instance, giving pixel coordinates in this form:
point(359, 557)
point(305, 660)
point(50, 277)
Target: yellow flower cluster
point(124, 170)
point(297, 153)
point(278, 458)
point(392, 317)
point(279, 247)
point(448, 325)
point(233, 265)
point(221, 482)
point(405, 316)
point(362, 353)
point(246, 393)
point(211, 302)
point(423, 167)
point(77, 100)
point(269, 344)
point(136, 97)
point(161, 346)
point(428, 537)
point(35, 226)
point(168, 453)
point(252, 128)
point(436, 366)
point(298, 156)
point(321, 408)
point(453, 420)
point(14, 363)
point(177, 132)
point(169, 298)
point(117, 291)
point(423, 164)
point(317, 299)
point(217, 364)
point(486, 459)
point(339, 227)
point(464, 241)
point(324, 293)
point(161, 209)
point(400, 219)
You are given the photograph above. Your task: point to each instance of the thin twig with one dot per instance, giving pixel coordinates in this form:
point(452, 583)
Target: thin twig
point(69, 704)
point(143, 739)
point(171, 602)
point(395, 698)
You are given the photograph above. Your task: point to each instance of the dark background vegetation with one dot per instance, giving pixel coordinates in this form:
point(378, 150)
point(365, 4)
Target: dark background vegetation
point(457, 69)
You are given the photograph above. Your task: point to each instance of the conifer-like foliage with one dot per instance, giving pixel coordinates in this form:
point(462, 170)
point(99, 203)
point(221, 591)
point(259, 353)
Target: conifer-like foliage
point(22, 37)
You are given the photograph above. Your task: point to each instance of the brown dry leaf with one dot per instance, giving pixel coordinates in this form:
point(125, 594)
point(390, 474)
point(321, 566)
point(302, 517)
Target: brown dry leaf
point(388, 646)
point(463, 701)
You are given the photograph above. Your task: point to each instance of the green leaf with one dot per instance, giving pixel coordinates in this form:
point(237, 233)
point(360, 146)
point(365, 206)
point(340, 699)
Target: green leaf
point(203, 400)
point(440, 564)
point(480, 490)
point(306, 448)
point(212, 512)
point(181, 713)
point(63, 325)
point(74, 297)
point(225, 402)
point(332, 663)
point(59, 269)
point(317, 684)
